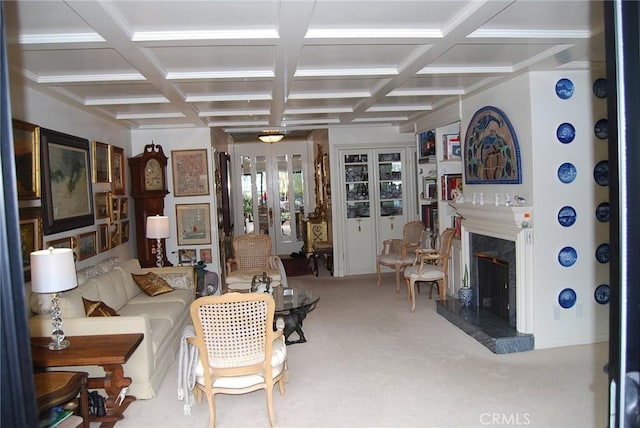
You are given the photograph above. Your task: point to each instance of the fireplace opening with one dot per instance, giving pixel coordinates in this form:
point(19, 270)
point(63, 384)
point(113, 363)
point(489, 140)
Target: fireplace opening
point(493, 285)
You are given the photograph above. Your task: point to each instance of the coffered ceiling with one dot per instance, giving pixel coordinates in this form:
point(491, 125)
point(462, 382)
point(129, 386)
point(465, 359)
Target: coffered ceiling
point(291, 65)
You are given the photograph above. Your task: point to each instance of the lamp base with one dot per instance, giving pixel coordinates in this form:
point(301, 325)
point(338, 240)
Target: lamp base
point(55, 346)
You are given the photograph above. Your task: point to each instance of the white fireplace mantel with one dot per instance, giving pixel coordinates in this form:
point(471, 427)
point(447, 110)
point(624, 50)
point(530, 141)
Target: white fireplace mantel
point(505, 223)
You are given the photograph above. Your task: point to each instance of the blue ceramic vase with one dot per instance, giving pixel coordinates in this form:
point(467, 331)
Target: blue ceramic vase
point(465, 295)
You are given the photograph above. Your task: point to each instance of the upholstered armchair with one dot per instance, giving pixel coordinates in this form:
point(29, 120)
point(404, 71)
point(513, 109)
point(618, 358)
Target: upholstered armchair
point(251, 257)
point(430, 265)
point(398, 253)
point(238, 349)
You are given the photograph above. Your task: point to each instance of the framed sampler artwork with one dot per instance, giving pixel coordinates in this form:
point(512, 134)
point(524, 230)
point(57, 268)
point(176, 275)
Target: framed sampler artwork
point(101, 157)
point(67, 201)
point(87, 245)
point(26, 147)
point(117, 170)
point(190, 170)
point(193, 222)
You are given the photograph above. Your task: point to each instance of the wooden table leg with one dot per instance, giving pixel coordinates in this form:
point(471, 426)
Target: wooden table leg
point(112, 382)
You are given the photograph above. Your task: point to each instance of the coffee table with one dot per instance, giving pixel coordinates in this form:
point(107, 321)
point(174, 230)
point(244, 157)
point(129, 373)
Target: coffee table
point(293, 305)
point(110, 351)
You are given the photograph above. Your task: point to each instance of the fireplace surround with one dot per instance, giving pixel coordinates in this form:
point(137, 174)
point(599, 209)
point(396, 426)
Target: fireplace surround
point(504, 223)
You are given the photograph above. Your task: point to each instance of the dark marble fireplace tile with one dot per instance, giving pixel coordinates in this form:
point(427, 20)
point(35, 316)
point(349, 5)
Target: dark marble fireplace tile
point(486, 328)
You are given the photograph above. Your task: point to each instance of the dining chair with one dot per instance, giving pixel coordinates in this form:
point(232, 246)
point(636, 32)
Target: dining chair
point(399, 253)
point(430, 266)
point(238, 349)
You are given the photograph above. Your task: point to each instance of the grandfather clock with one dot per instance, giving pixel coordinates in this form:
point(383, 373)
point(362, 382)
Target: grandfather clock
point(148, 189)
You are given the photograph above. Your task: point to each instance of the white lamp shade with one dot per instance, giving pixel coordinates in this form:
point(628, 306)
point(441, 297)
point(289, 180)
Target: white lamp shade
point(53, 270)
point(157, 227)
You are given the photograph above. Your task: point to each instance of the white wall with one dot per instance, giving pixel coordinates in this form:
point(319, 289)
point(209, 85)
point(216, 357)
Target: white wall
point(535, 112)
point(182, 139)
point(587, 321)
point(34, 107)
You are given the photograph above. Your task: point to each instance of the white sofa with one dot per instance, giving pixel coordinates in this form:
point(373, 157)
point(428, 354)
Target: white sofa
point(161, 318)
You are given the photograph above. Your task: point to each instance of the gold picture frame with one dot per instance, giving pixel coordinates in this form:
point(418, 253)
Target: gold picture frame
point(103, 204)
point(30, 237)
point(124, 232)
point(68, 242)
point(100, 162)
point(26, 147)
point(87, 243)
point(117, 170)
point(190, 170)
point(193, 224)
point(104, 240)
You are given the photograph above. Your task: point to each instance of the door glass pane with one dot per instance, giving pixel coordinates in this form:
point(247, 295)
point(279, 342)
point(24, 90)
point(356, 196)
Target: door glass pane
point(356, 173)
point(298, 194)
point(283, 192)
point(254, 194)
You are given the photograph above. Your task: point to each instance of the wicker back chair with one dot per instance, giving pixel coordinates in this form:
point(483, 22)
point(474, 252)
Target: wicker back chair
point(239, 350)
point(251, 257)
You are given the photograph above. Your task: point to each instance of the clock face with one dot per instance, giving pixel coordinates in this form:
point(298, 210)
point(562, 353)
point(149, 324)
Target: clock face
point(153, 179)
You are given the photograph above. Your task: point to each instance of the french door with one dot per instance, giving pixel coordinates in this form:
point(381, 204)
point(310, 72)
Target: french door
point(271, 181)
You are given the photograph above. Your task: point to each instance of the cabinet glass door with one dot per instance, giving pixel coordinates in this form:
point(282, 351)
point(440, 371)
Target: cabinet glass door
point(390, 184)
point(356, 177)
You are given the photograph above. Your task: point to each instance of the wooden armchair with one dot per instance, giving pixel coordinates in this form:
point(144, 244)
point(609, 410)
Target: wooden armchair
point(430, 266)
point(251, 257)
point(398, 253)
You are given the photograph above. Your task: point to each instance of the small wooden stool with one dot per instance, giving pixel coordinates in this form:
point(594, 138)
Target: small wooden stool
point(57, 388)
point(323, 249)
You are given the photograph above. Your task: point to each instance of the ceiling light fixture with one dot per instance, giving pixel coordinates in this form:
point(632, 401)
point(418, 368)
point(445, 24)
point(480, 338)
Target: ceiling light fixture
point(270, 138)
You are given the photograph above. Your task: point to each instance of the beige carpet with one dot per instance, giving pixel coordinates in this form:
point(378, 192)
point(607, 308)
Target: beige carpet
point(370, 362)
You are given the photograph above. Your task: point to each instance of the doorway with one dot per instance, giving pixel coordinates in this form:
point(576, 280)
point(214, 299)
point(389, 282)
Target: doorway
point(271, 181)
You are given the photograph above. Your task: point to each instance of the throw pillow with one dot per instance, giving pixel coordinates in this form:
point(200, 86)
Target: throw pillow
point(151, 284)
point(98, 309)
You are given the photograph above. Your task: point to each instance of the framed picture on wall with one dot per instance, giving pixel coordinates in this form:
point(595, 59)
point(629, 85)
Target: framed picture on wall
point(426, 145)
point(117, 170)
point(26, 148)
point(205, 255)
point(87, 245)
point(103, 204)
point(103, 238)
point(193, 222)
point(124, 229)
point(68, 199)
point(30, 237)
point(101, 157)
point(190, 169)
point(187, 257)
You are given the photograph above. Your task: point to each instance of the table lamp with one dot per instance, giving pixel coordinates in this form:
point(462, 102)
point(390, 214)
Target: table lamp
point(53, 271)
point(158, 228)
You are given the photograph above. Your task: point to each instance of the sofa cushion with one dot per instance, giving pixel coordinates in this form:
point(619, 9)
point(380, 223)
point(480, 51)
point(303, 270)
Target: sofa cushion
point(152, 284)
point(98, 309)
point(171, 311)
point(110, 288)
point(89, 272)
point(128, 267)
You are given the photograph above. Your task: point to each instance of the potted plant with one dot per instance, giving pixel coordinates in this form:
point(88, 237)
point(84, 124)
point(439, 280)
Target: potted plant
point(465, 293)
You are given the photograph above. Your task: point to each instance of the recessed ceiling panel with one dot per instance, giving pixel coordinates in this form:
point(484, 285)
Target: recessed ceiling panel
point(198, 58)
point(478, 55)
point(354, 56)
point(75, 62)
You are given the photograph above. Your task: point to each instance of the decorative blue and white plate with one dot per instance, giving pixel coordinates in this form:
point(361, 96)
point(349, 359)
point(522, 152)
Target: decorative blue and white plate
point(567, 216)
point(602, 212)
point(567, 256)
point(600, 88)
point(566, 133)
point(567, 298)
point(602, 294)
point(601, 173)
point(567, 172)
point(602, 253)
point(601, 129)
point(564, 88)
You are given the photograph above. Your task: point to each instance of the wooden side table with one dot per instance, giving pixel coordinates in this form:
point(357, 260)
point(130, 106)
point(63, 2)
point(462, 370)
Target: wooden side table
point(56, 388)
point(110, 351)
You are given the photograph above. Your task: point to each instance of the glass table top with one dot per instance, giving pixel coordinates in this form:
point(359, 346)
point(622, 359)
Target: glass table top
point(293, 298)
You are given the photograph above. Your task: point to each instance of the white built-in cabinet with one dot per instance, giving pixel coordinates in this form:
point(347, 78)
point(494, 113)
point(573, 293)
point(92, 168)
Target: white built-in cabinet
point(377, 188)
